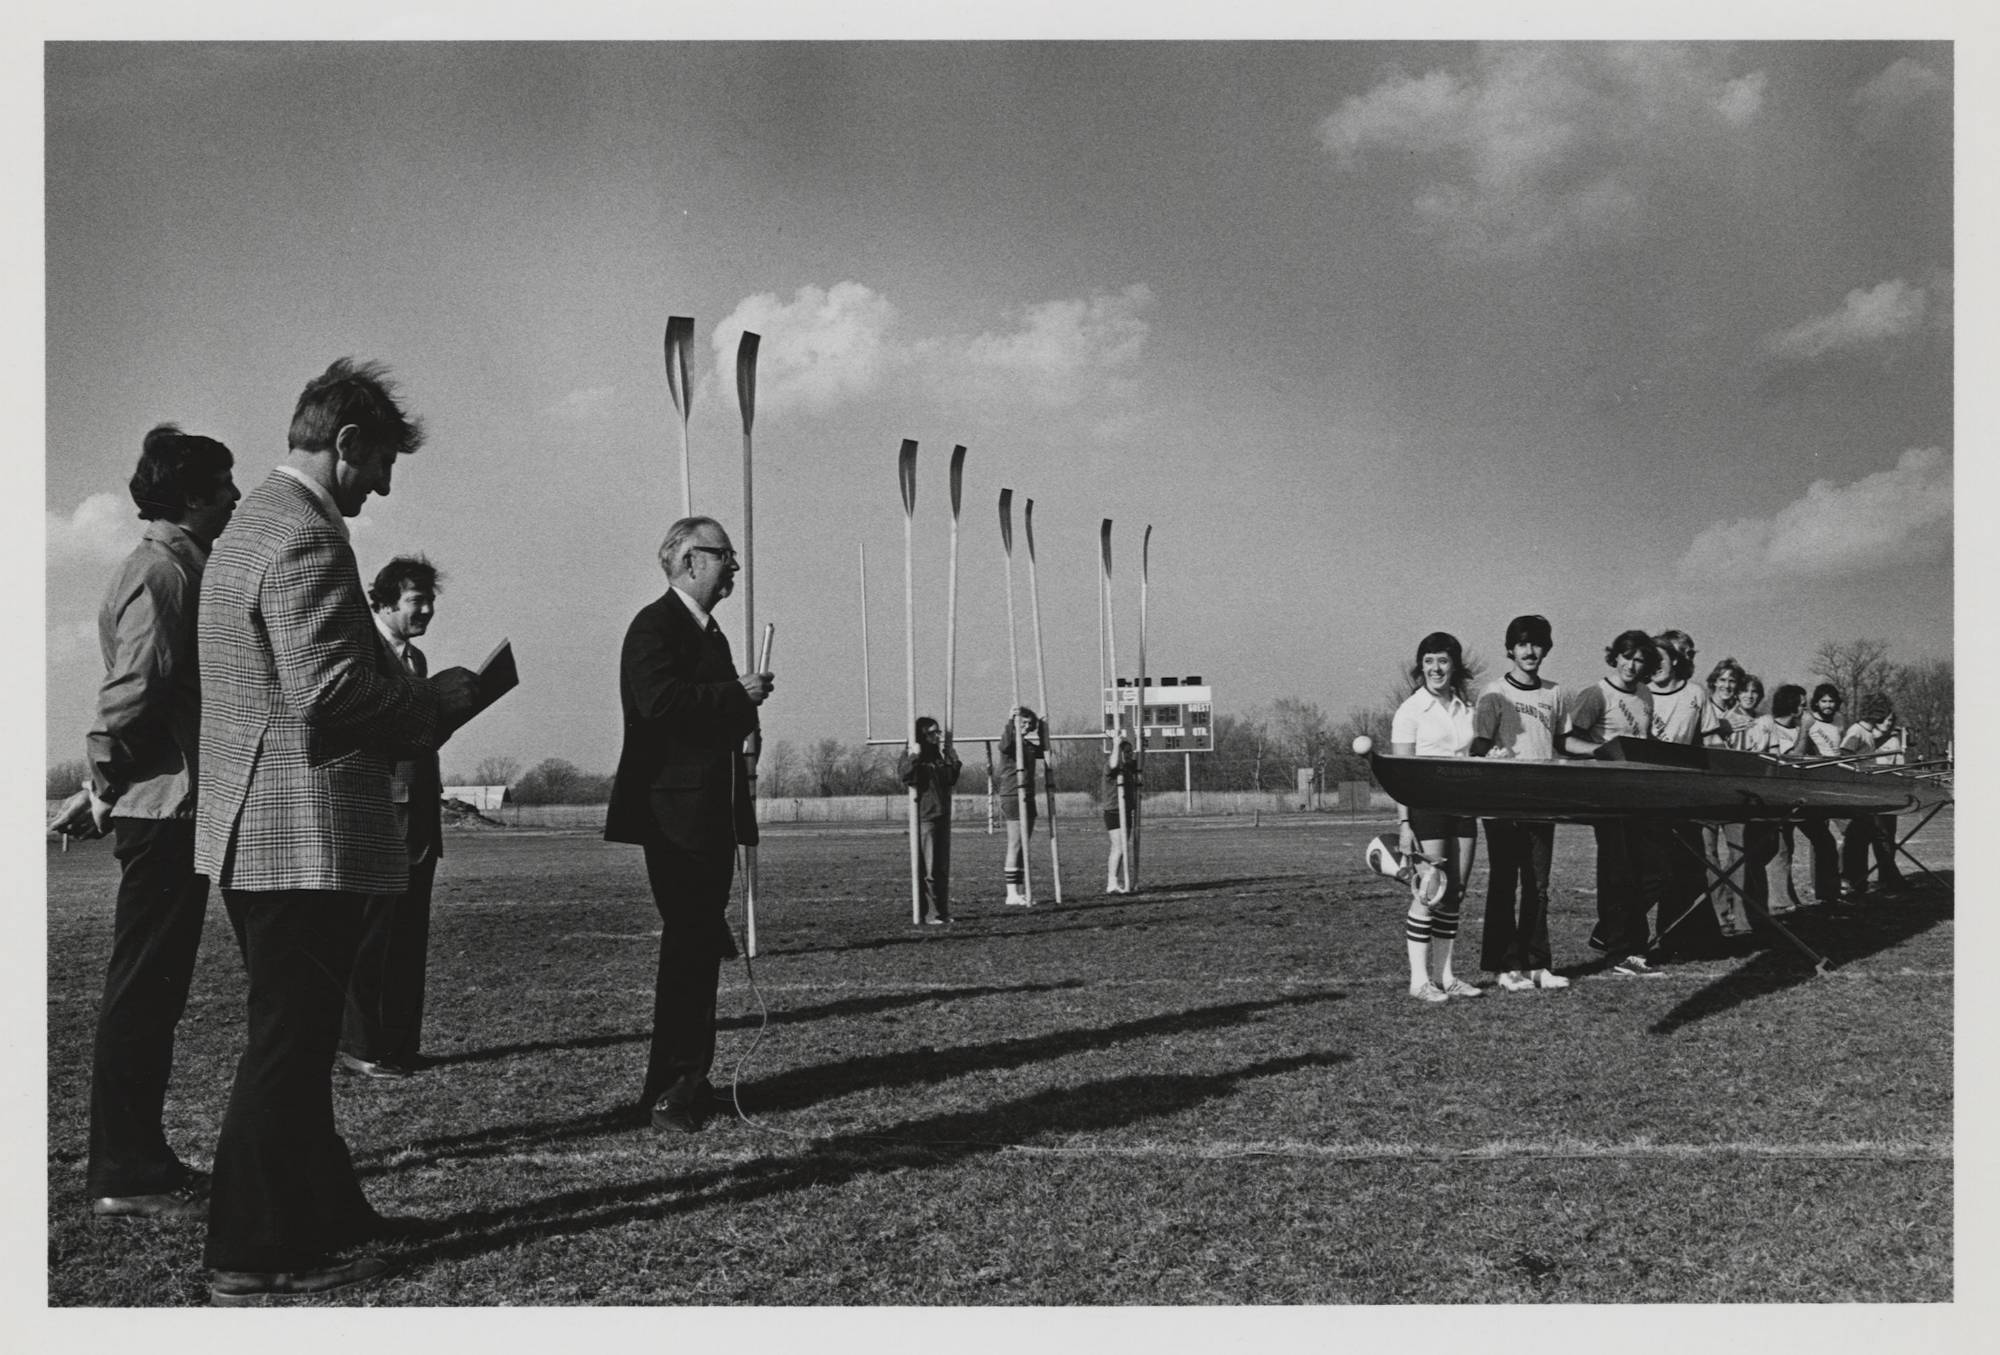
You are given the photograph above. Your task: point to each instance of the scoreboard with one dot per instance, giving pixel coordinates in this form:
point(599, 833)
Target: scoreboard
point(1179, 713)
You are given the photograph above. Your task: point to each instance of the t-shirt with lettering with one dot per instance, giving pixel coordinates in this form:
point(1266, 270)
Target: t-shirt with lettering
point(1602, 712)
point(1527, 722)
point(1683, 715)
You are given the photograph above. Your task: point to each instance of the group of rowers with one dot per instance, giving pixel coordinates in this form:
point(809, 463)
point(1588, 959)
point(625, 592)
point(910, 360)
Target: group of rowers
point(1648, 693)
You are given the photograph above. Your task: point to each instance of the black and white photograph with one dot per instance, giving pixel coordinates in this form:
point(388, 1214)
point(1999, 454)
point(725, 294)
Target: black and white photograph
point(1253, 673)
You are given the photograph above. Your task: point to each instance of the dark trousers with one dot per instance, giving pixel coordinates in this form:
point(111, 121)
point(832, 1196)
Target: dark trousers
point(1870, 833)
point(1621, 906)
point(1825, 861)
point(934, 865)
point(155, 933)
point(285, 1195)
point(385, 998)
point(691, 892)
point(1516, 934)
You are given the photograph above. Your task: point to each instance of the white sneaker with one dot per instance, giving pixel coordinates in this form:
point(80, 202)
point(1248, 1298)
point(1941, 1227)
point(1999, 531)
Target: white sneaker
point(1427, 992)
point(1514, 981)
point(1542, 978)
point(1460, 988)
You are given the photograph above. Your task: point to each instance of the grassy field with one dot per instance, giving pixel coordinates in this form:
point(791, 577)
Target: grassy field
point(1213, 1092)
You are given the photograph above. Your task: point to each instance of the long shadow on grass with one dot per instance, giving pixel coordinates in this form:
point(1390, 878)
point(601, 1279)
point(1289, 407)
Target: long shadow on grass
point(850, 1006)
point(876, 1072)
point(939, 1141)
point(1027, 925)
point(1841, 937)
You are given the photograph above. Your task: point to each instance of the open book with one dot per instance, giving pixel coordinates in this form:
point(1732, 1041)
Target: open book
point(497, 676)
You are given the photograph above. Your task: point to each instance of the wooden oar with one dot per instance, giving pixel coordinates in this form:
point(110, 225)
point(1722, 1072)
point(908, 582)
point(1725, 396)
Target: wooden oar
point(906, 475)
point(951, 597)
point(867, 705)
point(753, 746)
point(949, 748)
point(1117, 707)
point(680, 338)
point(1022, 766)
point(1042, 695)
point(1139, 711)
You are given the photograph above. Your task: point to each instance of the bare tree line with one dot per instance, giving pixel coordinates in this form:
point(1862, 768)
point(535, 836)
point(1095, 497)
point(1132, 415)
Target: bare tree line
point(1259, 749)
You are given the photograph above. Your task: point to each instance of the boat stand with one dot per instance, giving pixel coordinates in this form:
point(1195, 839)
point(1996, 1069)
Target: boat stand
point(1905, 852)
point(1722, 878)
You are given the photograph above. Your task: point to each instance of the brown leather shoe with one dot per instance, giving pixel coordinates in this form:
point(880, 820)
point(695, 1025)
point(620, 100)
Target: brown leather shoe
point(184, 1205)
point(246, 1288)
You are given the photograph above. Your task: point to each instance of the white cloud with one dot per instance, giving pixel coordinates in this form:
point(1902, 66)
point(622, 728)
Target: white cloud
point(827, 346)
point(1542, 145)
point(1899, 516)
point(582, 406)
point(1887, 102)
point(1062, 352)
point(816, 350)
point(1866, 318)
point(103, 528)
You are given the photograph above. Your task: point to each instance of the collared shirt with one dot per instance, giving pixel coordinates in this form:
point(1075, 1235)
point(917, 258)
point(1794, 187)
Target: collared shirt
point(144, 745)
point(401, 647)
point(319, 492)
point(695, 609)
point(1437, 728)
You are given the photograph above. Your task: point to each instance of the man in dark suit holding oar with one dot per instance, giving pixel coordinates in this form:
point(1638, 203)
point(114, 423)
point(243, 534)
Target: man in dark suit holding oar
point(682, 794)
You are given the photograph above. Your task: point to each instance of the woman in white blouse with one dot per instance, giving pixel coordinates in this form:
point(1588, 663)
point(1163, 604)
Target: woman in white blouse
point(1436, 721)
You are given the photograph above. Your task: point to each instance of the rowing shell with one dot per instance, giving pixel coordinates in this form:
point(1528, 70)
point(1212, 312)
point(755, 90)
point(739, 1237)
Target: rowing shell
point(1644, 779)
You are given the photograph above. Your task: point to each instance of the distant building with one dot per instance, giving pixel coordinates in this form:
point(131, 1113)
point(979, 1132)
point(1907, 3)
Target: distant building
point(481, 798)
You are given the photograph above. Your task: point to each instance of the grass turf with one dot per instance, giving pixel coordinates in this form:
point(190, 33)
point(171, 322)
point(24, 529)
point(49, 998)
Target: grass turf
point(1215, 1091)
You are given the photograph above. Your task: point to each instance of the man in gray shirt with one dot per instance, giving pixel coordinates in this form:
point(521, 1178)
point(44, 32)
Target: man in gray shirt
point(142, 754)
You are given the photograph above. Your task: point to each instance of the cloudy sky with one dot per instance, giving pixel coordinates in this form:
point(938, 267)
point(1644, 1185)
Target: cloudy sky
point(1380, 338)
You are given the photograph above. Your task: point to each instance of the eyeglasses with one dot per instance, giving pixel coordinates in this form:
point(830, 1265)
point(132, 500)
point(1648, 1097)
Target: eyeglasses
point(720, 552)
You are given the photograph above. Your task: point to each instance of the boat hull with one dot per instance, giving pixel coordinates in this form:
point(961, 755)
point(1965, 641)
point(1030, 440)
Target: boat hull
point(1642, 780)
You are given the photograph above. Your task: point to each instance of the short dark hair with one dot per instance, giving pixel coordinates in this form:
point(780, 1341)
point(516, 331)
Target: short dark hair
point(925, 724)
point(405, 571)
point(1441, 642)
point(1530, 629)
point(1787, 700)
point(1826, 689)
point(358, 393)
point(1631, 642)
point(175, 468)
point(1876, 706)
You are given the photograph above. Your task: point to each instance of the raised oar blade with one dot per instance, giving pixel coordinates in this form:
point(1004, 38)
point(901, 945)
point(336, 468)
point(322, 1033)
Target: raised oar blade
point(1007, 521)
point(746, 376)
point(906, 475)
point(1028, 529)
point(1104, 546)
point(680, 338)
point(1145, 550)
point(957, 478)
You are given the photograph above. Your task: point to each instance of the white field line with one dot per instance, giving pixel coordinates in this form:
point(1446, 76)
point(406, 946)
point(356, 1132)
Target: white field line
point(1504, 1150)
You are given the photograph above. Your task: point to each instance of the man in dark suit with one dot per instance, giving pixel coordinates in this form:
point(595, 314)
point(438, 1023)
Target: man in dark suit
point(385, 999)
point(303, 714)
point(682, 794)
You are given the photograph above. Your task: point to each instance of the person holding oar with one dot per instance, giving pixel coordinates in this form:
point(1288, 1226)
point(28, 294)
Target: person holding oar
point(932, 774)
point(1436, 721)
point(1017, 797)
point(1121, 804)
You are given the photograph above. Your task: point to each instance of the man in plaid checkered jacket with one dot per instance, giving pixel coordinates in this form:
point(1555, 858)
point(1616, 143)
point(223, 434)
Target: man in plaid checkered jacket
point(303, 713)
